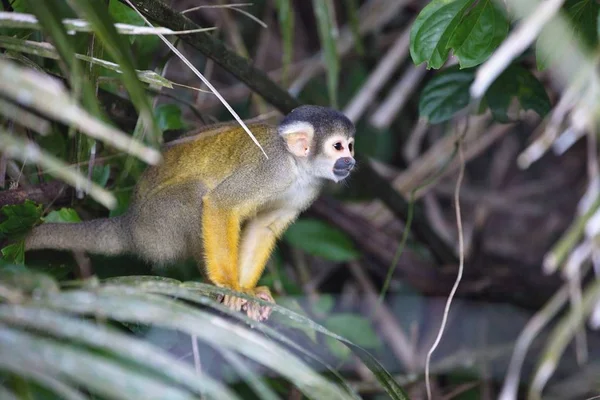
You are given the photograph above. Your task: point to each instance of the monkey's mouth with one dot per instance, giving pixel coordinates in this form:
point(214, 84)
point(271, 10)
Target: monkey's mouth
point(342, 172)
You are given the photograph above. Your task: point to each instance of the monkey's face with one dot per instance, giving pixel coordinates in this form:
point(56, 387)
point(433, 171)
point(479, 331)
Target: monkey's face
point(336, 158)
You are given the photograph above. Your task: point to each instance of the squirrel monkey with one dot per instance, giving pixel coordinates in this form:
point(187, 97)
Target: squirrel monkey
point(216, 198)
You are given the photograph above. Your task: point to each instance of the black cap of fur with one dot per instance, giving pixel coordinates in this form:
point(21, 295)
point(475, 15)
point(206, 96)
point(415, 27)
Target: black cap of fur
point(325, 120)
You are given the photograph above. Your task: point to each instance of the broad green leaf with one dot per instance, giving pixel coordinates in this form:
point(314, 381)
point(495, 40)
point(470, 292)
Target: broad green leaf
point(319, 239)
point(62, 215)
point(169, 117)
point(123, 14)
point(14, 253)
point(479, 33)
point(327, 34)
point(354, 328)
point(19, 219)
point(446, 94)
point(432, 30)
point(517, 82)
point(583, 16)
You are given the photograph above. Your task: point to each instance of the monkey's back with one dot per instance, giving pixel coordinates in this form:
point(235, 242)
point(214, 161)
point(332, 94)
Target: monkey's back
point(209, 157)
point(166, 211)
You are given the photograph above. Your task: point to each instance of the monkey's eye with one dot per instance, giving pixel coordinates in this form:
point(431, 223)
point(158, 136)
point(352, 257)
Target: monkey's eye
point(338, 146)
point(351, 147)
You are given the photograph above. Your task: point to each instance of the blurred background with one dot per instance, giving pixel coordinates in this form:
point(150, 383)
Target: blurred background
point(486, 111)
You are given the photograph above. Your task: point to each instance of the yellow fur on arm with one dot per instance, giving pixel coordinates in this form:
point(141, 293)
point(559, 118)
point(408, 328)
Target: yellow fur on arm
point(221, 234)
point(258, 241)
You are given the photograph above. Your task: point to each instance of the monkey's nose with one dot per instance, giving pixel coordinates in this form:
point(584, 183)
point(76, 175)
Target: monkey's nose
point(343, 165)
point(348, 162)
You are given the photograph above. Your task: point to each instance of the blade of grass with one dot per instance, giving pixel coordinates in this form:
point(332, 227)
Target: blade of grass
point(29, 21)
point(263, 391)
point(46, 50)
point(132, 305)
point(327, 34)
point(29, 152)
point(285, 13)
point(191, 292)
point(43, 377)
point(102, 375)
point(52, 25)
point(560, 337)
point(382, 375)
point(97, 14)
point(112, 341)
point(43, 93)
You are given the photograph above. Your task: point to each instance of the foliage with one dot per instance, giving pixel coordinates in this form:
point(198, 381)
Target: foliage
point(43, 337)
point(115, 338)
point(319, 239)
point(472, 29)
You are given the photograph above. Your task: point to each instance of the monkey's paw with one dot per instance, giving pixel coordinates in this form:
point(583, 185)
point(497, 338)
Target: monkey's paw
point(232, 302)
point(258, 311)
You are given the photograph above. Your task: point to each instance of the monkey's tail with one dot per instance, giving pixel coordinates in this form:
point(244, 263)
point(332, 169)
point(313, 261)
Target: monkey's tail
point(108, 236)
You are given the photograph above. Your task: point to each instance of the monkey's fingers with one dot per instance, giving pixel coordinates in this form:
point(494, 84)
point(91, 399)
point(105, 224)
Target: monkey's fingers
point(257, 311)
point(234, 303)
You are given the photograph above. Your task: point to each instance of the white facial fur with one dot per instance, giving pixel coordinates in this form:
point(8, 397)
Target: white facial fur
point(334, 147)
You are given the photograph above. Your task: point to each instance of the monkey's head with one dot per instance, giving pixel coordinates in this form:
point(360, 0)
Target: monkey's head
point(321, 139)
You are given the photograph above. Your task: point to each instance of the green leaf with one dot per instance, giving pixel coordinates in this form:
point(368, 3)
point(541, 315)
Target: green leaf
point(62, 215)
point(19, 218)
point(123, 14)
point(353, 327)
point(446, 94)
point(517, 82)
point(100, 174)
point(479, 33)
point(324, 304)
point(14, 253)
point(319, 239)
point(432, 30)
point(169, 117)
point(583, 15)
point(326, 28)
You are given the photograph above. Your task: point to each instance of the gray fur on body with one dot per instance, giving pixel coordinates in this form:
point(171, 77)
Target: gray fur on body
point(167, 226)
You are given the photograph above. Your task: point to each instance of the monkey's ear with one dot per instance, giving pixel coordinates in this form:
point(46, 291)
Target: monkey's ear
point(298, 137)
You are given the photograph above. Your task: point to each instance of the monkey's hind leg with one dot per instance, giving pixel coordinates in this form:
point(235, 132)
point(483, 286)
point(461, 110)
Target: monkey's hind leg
point(220, 233)
point(258, 241)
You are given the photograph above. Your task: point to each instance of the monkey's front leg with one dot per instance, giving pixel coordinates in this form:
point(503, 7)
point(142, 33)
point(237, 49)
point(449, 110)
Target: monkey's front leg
point(221, 234)
point(257, 244)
